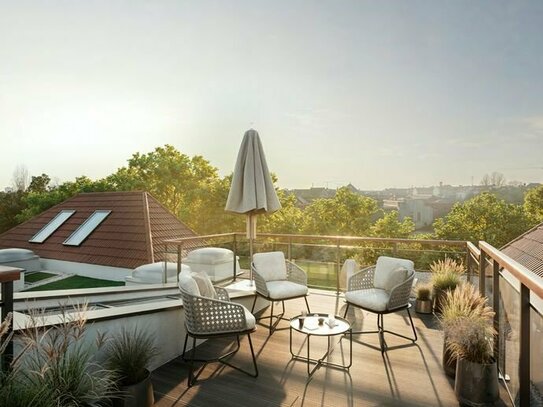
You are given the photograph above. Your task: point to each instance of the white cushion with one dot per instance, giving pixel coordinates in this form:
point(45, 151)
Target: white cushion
point(188, 285)
point(372, 299)
point(210, 255)
point(387, 265)
point(271, 266)
point(249, 318)
point(281, 290)
point(205, 286)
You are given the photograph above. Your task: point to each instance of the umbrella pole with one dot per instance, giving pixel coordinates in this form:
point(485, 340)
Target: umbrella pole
point(251, 225)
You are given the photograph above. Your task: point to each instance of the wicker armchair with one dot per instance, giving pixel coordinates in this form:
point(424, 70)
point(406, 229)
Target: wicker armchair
point(277, 279)
point(208, 318)
point(382, 289)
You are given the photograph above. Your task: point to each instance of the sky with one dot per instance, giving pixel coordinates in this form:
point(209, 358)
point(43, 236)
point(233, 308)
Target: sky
point(375, 93)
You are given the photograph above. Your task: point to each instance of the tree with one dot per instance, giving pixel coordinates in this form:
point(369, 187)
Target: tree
point(495, 179)
point(11, 204)
point(288, 219)
point(533, 203)
point(20, 178)
point(175, 179)
point(39, 183)
point(483, 217)
point(391, 226)
point(346, 214)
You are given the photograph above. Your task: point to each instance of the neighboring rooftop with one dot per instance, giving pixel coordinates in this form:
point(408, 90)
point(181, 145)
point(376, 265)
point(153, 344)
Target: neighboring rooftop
point(131, 234)
point(527, 249)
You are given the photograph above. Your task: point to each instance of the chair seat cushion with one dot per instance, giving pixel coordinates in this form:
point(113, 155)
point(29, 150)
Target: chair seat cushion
point(249, 318)
point(373, 299)
point(282, 290)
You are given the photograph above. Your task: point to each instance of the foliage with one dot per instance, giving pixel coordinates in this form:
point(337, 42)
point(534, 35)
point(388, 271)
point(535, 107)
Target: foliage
point(467, 322)
point(424, 291)
point(56, 366)
point(346, 214)
point(391, 226)
point(445, 281)
point(533, 203)
point(483, 217)
point(129, 354)
point(11, 205)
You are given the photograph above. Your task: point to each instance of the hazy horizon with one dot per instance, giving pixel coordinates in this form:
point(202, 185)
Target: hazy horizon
point(378, 94)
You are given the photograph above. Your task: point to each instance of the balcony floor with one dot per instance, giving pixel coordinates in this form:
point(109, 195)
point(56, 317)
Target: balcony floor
point(406, 376)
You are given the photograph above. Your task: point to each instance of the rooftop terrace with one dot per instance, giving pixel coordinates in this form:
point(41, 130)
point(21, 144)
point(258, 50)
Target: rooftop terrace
point(409, 375)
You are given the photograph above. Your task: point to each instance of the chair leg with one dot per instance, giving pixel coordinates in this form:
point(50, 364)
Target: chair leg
point(412, 326)
point(191, 379)
point(254, 303)
point(346, 309)
point(253, 355)
point(306, 304)
point(271, 319)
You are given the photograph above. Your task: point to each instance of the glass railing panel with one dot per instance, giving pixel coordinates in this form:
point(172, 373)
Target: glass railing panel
point(536, 352)
point(509, 332)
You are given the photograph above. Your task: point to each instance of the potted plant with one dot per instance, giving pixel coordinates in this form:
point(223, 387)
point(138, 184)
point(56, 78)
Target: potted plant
point(471, 339)
point(446, 276)
point(423, 303)
point(464, 302)
point(129, 354)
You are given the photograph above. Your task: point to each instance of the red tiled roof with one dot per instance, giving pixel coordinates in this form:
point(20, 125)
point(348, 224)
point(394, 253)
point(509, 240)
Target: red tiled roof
point(130, 236)
point(527, 249)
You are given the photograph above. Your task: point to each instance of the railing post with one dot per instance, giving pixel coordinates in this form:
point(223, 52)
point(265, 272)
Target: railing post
point(524, 362)
point(235, 247)
point(289, 254)
point(7, 276)
point(165, 268)
point(496, 305)
point(469, 264)
point(338, 261)
point(179, 260)
point(482, 264)
point(395, 249)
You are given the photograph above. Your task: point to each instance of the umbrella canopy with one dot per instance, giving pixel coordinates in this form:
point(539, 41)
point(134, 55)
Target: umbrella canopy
point(252, 190)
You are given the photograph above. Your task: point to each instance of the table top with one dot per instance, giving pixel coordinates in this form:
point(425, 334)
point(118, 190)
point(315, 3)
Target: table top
point(311, 325)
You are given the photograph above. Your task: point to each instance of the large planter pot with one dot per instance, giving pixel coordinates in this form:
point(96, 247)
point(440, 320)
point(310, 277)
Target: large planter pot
point(449, 361)
point(476, 384)
point(423, 306)
point(137, 395)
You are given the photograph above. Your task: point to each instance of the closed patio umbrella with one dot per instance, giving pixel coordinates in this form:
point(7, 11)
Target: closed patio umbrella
point(252, 191)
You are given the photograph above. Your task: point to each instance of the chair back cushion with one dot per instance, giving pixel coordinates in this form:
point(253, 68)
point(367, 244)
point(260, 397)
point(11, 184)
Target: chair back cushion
point(205, 286)
point(188, 284)
point(390, 271)
point(271, 266)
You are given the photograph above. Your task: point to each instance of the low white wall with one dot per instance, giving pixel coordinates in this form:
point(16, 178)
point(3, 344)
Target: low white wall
point(85, 269)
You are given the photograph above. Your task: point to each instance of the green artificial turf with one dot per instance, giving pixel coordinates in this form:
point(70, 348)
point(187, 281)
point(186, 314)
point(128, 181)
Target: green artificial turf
point(38, 276)
point(77, 282)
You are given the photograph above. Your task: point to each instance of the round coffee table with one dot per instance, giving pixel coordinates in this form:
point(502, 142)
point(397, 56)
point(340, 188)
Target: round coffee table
point(311, 327)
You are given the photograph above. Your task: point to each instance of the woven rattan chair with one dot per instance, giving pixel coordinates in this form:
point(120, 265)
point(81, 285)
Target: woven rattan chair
point(208, 318)
point(277, 279)
point(382, 289)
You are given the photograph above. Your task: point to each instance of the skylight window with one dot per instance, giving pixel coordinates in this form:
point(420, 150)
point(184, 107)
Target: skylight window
point(51, 226)
point(86, 228)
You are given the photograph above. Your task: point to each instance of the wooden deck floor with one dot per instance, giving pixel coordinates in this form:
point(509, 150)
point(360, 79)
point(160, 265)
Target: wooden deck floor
point(405, 376)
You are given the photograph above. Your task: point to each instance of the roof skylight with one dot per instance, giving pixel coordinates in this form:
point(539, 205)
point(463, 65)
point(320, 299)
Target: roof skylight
point(51, 226)
point(86, 228)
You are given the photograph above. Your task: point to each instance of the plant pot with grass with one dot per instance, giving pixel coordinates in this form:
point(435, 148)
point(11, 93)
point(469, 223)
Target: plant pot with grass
point(471, 340)
point(446, 275)
point(423, 302)
point(464, 303)
point(129, 354)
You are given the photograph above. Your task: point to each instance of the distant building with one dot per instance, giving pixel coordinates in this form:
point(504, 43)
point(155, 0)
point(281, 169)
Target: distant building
point(99, 234)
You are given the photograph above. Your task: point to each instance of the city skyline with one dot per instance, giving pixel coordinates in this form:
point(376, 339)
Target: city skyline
point(378, 94)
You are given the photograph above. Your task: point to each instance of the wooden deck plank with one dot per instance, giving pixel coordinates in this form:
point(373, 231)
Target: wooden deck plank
point(406, 376)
